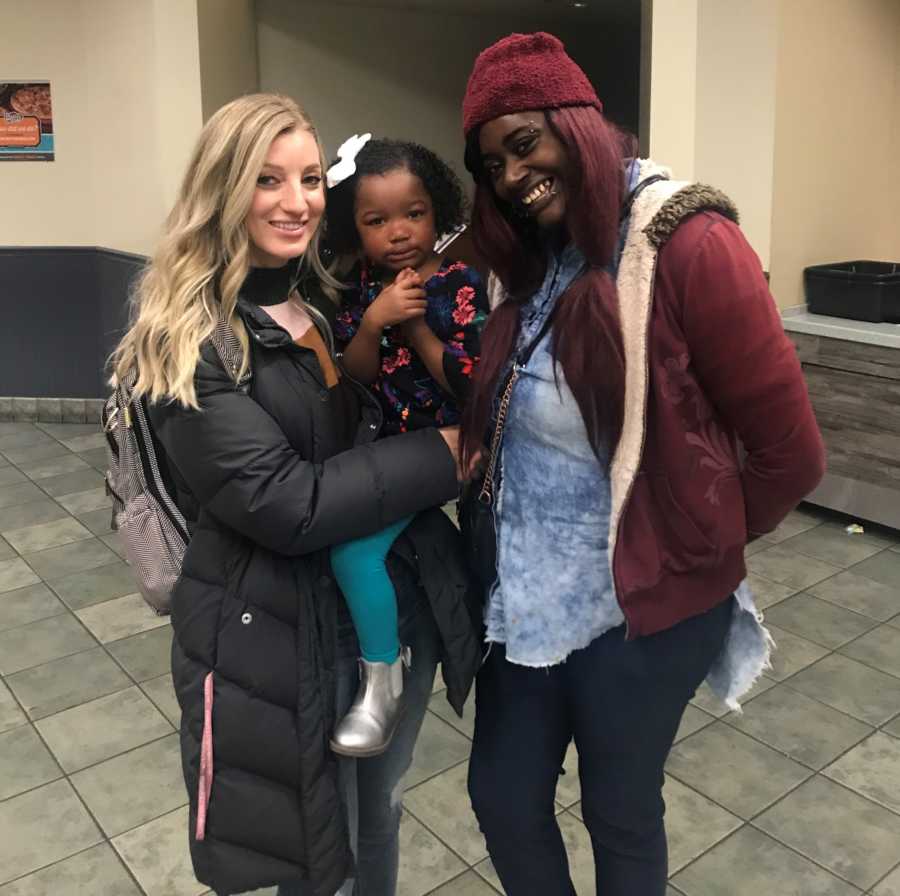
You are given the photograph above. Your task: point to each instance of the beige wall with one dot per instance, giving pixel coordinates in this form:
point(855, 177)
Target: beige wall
point(836, 193)
point(893, 251)
point(737, 42)
point(124, 119)
point(51, 203)
point(712, 101)
point(673, 85)
point(228, 61)
point(402, 73)
point(176, 92)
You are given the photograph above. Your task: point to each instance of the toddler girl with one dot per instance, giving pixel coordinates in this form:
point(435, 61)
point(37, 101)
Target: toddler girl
point(408, 328)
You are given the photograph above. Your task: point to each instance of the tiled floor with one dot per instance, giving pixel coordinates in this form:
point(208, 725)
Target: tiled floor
point(799, 796)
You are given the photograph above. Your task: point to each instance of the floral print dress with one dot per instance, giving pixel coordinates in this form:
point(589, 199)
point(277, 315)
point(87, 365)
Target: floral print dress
point(410, 396)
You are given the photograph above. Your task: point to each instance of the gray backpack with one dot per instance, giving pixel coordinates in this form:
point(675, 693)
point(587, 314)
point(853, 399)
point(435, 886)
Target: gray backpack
point(153, 530)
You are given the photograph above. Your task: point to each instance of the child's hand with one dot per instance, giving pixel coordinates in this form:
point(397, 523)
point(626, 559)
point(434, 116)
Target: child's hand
point(403, 300)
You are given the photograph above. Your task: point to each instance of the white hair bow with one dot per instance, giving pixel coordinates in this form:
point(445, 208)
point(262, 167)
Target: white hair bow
point(346, 163)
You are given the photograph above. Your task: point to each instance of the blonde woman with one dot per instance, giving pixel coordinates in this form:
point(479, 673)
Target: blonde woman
point(271, 469)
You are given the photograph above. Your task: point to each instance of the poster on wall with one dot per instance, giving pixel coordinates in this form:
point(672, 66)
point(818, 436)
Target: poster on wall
point(26, 122)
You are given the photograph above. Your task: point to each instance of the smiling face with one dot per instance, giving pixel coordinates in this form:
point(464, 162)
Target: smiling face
point(394, 216)
point(527, 166)
point(288, 201)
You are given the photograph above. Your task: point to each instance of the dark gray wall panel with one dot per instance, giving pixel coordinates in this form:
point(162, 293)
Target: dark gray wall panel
point(63, 309)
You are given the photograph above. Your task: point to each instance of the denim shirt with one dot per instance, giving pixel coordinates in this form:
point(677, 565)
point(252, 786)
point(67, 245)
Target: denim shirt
point(554, 592)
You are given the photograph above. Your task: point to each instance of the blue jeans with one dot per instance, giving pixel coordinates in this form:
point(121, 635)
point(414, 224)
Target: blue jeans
point(622, 702)
point(373, 788)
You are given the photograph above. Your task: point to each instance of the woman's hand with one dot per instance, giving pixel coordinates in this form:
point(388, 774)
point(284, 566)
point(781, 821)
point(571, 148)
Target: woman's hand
point(451, 437)
point(474, 468)
point(403, 300)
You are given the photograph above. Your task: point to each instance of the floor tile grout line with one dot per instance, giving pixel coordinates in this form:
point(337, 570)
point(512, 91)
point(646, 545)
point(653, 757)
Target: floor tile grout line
point(787, 681)
point(752, 821)
point(99, 643)
point(117, 562)
point(808, 858)
point(437, 836)
point(881, 880)
point(104, 842)
point(437, 774)
point(106, 838)
point(147, 821)
point(850, 789)
point(69, 450)
point(775, 749)
point(446, 883)
point(839, 569)
point(874, 729)
point(710, 848)
point(834, 603)
point(440, 718)
point(31, 723)
point(827, 602)
point(772, 837)
point(45, 497)
point(61, 656)
point(805, 765)
point(147, 743)
point(93, 537)
point(863, 662)
point(741, 818)
point(68, 775)
point(34, 721)
point(17, 464)
point(86, 537)
point(876, 549)
point(821, 771)
point(783, 796)
point(158, 707)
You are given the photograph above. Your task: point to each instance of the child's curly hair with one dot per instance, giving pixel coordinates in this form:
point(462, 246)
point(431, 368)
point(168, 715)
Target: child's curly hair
point(380, 157)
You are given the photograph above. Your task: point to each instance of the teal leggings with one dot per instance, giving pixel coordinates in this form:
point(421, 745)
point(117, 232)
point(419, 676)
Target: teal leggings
point(359, 567)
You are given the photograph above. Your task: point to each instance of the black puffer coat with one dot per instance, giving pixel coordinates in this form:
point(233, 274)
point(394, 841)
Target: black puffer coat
point(255, 611)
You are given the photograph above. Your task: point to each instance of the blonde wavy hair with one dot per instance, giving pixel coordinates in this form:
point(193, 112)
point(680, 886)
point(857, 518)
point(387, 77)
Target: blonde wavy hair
point(203, 257)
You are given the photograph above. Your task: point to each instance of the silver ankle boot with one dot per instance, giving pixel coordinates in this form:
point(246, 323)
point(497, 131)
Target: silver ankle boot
point(371, 721)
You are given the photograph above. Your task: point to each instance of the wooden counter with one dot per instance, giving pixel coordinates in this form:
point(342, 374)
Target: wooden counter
point(853, 373)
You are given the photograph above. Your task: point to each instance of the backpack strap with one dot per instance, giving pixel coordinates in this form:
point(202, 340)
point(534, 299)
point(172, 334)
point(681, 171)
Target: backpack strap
point(228, 348)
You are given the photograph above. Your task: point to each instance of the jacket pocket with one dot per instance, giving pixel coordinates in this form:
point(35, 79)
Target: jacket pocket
point(658, 536)
point(683, 545)
point(205, 782)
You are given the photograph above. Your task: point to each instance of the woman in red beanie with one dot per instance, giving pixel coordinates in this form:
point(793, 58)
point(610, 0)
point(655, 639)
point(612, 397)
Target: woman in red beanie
point(636, 342)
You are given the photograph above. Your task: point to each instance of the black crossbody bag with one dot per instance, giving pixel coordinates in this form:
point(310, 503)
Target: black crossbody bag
point(476, 505)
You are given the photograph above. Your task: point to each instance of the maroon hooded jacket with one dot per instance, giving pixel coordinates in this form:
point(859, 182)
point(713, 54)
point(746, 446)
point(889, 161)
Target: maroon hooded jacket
point(720, 373)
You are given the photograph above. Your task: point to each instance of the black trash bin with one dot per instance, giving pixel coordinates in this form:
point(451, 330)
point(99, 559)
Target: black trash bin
point(858, 290)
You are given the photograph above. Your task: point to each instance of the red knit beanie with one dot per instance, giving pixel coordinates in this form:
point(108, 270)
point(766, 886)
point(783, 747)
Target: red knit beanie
point(523, 72)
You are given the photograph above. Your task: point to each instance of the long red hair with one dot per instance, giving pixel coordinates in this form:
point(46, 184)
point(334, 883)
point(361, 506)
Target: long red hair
point(586, 337)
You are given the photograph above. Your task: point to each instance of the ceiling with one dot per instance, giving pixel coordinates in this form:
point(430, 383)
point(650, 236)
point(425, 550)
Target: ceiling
point(563, 10)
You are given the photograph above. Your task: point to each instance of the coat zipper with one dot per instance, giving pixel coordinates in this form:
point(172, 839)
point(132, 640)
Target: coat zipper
point(328, 335)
